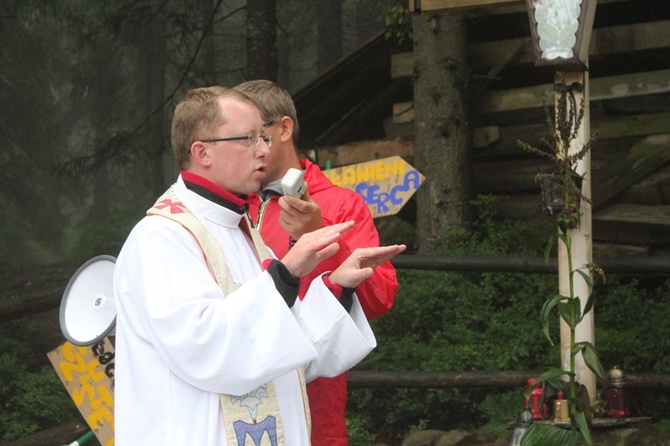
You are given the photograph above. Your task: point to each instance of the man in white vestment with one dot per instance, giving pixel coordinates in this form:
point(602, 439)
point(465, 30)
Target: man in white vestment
point(212, 346)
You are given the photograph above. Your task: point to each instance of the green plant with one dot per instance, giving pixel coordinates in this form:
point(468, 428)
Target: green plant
point(358, 432)
point(664, 426)
point(459, 321)
point(500, 408)
point(31, 400)
point(398, 22)
point(32, 397)
point(564, 132)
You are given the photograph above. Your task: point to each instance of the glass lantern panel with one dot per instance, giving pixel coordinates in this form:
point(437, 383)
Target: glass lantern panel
point(557, 25)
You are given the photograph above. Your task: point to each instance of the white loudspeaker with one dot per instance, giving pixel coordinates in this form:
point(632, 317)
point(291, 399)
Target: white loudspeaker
point(87, 309)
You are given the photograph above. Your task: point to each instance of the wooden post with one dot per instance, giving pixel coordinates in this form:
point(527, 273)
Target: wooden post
point(582, 247)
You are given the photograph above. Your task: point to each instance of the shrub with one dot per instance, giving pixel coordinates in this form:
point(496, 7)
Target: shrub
point(32, 401)
point(33, 397)
point(446, 321)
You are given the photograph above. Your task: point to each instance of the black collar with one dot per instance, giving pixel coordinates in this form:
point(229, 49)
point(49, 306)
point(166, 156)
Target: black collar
point(214, 193)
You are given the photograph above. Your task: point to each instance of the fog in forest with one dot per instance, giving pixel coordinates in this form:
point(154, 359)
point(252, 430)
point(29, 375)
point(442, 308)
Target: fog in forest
point(87, 92)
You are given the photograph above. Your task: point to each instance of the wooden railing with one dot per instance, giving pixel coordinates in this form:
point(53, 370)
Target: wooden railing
point(48, 300)
point(615, 265)
point(27, 302)
point(503, 378)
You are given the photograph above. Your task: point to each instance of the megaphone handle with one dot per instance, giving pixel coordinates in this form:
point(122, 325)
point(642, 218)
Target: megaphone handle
point(83, 439)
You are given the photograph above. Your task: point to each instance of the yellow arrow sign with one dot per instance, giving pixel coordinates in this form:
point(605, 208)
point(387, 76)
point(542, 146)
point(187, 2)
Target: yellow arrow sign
point(385, 184)
point(88, 375)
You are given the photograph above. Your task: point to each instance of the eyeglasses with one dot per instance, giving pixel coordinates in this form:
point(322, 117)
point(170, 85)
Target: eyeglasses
point(251, 139)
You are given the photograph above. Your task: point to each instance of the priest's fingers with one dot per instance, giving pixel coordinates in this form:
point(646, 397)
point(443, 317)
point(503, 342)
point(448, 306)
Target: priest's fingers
point(299, 217)
point(326, 252)
point(324, 236)
point(300, 260)
point(337, 227)
point(361, 263)
point(349, 277)
point(373, 257)
point(313, 248)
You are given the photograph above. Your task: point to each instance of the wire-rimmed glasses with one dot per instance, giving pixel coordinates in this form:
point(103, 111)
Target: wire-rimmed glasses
point(252, 140)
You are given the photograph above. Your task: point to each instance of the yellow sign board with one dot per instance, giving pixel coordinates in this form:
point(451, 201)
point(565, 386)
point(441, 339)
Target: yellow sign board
point(385, 184)
point(88, 375)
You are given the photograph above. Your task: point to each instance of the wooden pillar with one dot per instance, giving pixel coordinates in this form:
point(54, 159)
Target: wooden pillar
point(582, 246)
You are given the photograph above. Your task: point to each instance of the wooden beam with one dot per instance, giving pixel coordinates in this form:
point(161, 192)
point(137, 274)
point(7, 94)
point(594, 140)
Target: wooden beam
point(632, 223)
point(608, 127)
point(497, 142)
point(505, 57)
point(603, 88)
point(403, 112)
point(629, 38)
point(439, 380)
point(436, 5)
point(604, 127)
point(640, 265)
point(637, 213)
point(508, 176)
point(362, 151)
point(402, 64)
point(579, 252)
point(504, 378)
point(500, 142)
point(604, 41)
point(619, 174)
point(34, 296)
point(654, 189)
point(613, 87)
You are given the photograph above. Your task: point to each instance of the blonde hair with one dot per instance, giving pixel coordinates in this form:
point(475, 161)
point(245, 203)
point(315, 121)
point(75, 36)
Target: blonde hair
point(197, 116)
point(273, 101)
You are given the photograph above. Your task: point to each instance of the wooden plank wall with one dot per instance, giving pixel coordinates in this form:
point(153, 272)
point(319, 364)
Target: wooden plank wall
point(630, 117)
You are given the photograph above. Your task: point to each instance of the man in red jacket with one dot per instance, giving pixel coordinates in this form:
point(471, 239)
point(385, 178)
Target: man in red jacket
point(283, 219)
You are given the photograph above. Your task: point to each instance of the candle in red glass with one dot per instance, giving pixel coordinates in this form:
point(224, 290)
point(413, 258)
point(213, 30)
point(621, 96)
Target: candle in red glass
point(538, 408)
point(617, 396)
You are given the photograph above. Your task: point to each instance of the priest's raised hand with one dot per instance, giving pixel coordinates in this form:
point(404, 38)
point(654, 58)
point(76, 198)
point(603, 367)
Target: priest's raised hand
point(316, 246)
point(313, 248)
point(361, 263)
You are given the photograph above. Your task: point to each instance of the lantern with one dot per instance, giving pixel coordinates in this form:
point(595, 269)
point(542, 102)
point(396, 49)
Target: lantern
point(553, 192)
point(561, 32)
point(523, 422)
point(539, 407)
point(561, 409)
point(617, 396)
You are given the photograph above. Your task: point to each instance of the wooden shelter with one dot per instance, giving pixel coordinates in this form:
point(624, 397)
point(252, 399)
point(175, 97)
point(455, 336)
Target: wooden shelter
point(361, 109)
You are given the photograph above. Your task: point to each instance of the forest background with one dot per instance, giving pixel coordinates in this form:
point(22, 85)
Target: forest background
point(87, 90)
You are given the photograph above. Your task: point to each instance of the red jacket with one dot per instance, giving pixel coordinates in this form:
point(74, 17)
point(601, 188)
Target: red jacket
point(328, 396)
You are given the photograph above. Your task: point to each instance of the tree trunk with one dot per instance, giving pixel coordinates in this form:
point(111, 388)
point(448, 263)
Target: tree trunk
point(329, 33)
point(208, 52)
point(442, 131)
point(262, 61)
point(153, 46)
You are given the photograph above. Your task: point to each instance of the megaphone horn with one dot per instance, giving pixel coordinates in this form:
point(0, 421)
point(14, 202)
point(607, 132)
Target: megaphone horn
point(87, 309)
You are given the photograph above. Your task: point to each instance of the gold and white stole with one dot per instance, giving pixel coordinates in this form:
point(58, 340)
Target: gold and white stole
point(257, 412)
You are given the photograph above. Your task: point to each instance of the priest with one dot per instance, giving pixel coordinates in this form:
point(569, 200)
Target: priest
point(212, 346)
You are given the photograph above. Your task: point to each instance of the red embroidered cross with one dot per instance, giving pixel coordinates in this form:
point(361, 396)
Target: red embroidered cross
point(176, 207)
